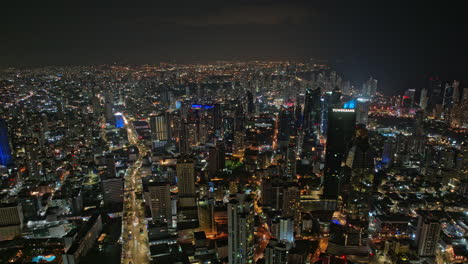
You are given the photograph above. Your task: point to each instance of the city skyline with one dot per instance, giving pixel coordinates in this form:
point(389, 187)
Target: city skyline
point(234, 132)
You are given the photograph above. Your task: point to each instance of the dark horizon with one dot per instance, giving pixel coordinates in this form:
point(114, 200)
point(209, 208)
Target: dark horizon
point(400, 45)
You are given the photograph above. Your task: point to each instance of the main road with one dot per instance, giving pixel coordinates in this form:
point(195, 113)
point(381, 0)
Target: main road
point(135, 248)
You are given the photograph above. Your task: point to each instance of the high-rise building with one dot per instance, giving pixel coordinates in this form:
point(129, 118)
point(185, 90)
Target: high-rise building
point(111, 169)
point(217, 117)
point(435, 93)
point(429, 235)
point(11, 221)
point(360, 174)
point(239, 144)
point(185, 169)
point(456, 92)
point(159, 127)
point(216, 159)
point(250, 103)
point(362, 111)
point(160, 202)
point(341, 124)
point(369, 88)
point(291, 198)
point(119, 122)
point(423, 99)
point(312, 107)
point(286, 127)
point(283, 230)
point(276, 252)
point(448, 96)
point(108, 107)
point(112, 189)
point(241, 242)
point(5, 151)
point(206, 215)
point(291, 166)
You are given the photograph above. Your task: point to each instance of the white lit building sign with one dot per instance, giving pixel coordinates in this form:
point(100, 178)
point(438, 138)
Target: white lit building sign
point(342, 110)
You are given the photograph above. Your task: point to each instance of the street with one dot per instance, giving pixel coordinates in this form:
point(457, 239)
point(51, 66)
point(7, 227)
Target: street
point(134, 234)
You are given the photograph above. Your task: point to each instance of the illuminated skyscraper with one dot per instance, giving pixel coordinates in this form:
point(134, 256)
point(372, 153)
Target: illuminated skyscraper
point(241, 242)
point(341, 124)
point(11, 221)
point(362, 111)
point(360, 173)
point(159, 127)
point(5, 151)
point(427, 234)
point(185, 169)
point(119, 122)
point(286, 127)
point(312, 110)
point(276, 252)
point(186, 176)
point(160, 201)
point(423, 99)
point(216, 158)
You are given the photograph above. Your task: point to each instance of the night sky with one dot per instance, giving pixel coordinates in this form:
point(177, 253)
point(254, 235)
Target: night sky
point(399, 43)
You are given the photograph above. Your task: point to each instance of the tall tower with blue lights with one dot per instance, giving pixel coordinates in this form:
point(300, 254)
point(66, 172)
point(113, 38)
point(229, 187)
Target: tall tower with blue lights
point(5, 151)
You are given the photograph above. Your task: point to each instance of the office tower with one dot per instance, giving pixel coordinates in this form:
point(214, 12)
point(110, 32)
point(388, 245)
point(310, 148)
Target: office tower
point(239, 145)
point(286, 127)
point(423, 99)
point(186, 176)
point(456, 92)
point(250, 103)
point(291, 199)
point(276, 252)
point(184, 145)
point(96, 103)
point(206, 215)
point(169, 121)
point(108, 107)
point(411, 93)
point(119, 122)
point(239, 118)
point(272, 193)
point(216, 158)
point(405, 102)
point(435, 93)
point(359, 155)
point(11, 221)
point(185, 169)
point(283, 230)
point(217, 117)
point(111, 169)
point(312, 106)
point(241, 242)
point(374, 86)
point(360, 176)
point(112, 190)
point(341, 124)
point(369, 88)
point(291, 162)
point(362, 111)
point(159, 127)
point(448, 96)
point(429, 235)
point(160, 202)
point(5, 151)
